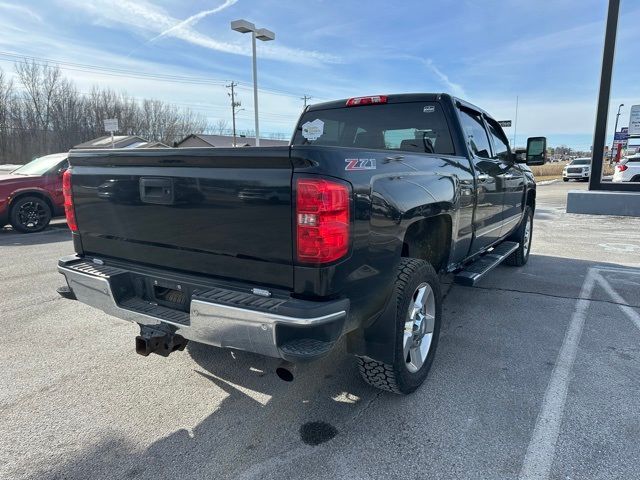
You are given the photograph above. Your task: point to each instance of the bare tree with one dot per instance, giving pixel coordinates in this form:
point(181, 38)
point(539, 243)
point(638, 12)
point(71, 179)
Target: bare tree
point(7, 109)
point(49, 115)
point(221, 126)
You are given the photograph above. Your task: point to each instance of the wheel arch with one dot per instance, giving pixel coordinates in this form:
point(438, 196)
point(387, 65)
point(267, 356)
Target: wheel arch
point(429, 239)
point(32, 193)
point(530, 199)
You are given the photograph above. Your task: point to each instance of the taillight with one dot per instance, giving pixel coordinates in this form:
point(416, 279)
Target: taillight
point(621, 168)
point(322, 218)
point(69, 211)
point(354, 102)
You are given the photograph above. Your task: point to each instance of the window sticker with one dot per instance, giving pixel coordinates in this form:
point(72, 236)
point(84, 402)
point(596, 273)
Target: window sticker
point(429, 109)
point(313, 130)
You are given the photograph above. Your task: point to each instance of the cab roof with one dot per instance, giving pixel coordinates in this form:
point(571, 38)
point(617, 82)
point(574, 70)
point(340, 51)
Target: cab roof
point(401, 98)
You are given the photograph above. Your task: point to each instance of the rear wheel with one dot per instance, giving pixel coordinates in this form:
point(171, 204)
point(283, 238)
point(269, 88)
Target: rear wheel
point(418, 316)
point(522, 235)
point(30, 214)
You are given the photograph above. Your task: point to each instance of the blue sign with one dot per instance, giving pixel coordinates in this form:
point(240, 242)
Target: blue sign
point(622, 135)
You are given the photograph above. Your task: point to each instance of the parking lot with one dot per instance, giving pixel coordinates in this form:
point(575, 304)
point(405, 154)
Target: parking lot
point(537, 376)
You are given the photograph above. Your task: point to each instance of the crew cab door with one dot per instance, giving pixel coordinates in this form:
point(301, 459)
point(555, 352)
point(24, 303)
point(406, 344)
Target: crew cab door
point(488, 177)
point(512, 178)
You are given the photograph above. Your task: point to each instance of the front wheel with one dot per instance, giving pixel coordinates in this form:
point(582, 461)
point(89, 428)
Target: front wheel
point(30, 214)
point(418, 317)
point(565, 179)
point(522, 235)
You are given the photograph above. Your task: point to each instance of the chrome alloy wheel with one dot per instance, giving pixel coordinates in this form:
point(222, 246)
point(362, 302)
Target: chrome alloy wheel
point(527, 236)
point(418, 328)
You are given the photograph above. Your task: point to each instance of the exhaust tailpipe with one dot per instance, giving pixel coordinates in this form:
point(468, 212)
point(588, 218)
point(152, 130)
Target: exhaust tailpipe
point(285, 371)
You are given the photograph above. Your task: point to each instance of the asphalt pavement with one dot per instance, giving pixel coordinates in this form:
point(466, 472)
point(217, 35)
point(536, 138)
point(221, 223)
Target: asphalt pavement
point(537, 376)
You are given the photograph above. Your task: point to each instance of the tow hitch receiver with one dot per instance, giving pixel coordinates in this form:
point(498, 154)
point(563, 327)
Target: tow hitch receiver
point(152, 340)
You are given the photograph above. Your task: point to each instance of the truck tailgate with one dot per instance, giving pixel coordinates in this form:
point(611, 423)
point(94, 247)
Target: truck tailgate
point(221, 212)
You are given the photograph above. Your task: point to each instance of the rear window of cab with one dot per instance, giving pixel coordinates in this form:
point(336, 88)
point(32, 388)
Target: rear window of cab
point(410, 127)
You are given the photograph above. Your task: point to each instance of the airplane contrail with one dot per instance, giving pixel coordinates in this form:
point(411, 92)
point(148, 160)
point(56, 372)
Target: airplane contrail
point(192, 20)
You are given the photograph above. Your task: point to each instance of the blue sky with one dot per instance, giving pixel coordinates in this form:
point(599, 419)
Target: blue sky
point(546, 52)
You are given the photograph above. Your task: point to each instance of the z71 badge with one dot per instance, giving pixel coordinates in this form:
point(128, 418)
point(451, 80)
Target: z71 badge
point(360, 164)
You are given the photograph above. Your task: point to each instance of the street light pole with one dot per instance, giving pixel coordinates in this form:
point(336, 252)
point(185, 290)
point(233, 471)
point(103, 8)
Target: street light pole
point(243, 26)
point(615, 130)
point(255, 88)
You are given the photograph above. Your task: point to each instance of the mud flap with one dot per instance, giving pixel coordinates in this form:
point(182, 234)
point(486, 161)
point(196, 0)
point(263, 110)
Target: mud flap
point(377, 340)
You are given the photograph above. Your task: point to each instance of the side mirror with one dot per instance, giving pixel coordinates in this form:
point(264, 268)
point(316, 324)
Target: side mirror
point(536, 151)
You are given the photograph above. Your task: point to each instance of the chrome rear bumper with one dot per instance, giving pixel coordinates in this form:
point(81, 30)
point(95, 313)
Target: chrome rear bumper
point(261, 328)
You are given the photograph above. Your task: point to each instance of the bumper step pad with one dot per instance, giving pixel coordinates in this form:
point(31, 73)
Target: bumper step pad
point(306, 348)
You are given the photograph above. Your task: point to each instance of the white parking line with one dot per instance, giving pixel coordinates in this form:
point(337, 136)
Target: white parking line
point(628, 311)
point(541, 450)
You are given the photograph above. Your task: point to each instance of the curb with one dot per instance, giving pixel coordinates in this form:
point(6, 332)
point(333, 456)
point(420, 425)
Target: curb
point(548, 182)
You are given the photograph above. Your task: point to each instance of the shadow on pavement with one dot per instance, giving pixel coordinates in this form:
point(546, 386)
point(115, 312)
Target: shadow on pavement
point(259, 412)
point(497, 349)
point(58, 232)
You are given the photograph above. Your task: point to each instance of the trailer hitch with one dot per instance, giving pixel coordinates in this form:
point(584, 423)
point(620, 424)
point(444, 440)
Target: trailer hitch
point(154, 340)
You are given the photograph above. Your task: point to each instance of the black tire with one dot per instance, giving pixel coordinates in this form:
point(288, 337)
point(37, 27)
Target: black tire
point(521, 255)
point(565, 179)
point(412, 273)
point(30, 214)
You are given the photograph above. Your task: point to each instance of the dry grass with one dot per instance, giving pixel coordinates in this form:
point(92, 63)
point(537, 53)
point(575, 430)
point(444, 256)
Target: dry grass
point(550, 171)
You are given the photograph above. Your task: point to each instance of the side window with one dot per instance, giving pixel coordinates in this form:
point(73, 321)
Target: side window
point(476, 134)
point(60, 168)
point(499, 142)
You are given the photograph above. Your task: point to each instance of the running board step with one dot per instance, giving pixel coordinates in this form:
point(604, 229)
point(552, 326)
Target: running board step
point(475, 271)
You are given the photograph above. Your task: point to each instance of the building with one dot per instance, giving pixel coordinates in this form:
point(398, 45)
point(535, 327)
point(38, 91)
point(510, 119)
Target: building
point(222, 141)
point(154, 145)
point(119, 141)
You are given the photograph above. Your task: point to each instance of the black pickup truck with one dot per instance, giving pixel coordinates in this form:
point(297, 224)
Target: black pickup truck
point(284, 251)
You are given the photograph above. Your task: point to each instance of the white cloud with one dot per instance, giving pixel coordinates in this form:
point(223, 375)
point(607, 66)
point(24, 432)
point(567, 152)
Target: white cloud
point(151, 19)
point(20, 9)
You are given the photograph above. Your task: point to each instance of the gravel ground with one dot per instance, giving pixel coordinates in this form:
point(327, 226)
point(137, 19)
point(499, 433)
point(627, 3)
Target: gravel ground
point(536, 376)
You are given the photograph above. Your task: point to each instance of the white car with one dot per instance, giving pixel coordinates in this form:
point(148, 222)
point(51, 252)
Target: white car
point(577, 169)
point(628, 170)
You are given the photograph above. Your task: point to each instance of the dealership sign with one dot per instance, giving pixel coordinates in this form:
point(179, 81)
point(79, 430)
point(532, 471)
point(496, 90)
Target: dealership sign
point(634, 120)
point(622, 135)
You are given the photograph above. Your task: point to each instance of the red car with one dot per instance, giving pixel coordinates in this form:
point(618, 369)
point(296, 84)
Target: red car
point(31, 195)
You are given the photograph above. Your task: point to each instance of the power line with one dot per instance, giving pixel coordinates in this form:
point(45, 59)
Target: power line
point(275, 118)
point(305, 98)
point(122, 72)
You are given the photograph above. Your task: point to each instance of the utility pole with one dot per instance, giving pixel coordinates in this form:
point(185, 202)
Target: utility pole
point(234, 105)
point(515, 124)
point(305, 98)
